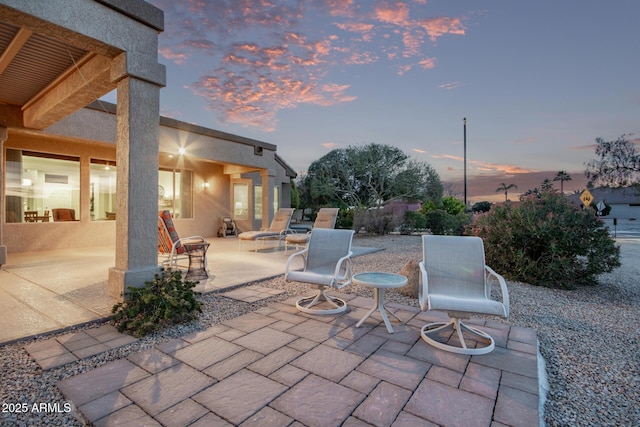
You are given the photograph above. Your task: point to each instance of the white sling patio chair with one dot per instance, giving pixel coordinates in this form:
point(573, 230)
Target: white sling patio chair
point(455, 279)
point(326, 218)
point(278, 229)
point(327, 264)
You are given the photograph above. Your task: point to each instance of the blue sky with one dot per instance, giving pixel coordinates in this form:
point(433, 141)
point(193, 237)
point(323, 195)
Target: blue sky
point(538, 81)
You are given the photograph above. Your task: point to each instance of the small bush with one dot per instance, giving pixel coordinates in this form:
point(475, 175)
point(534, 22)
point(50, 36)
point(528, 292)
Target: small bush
point(413, 221)
point(452, 206)
point(546, 241)
point(345, 218)
point(483, 206)
point(436, 221)
point(166, 300)
point(442, 223)
point(376, 221)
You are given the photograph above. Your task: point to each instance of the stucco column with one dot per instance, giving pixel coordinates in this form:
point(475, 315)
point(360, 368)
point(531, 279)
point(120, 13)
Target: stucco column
point(138, 114)
point(3, 248)
point(267, 198)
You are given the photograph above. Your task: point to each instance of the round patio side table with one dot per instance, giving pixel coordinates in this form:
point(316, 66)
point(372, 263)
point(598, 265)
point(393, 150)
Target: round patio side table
point(197, 261)
point(379, 281)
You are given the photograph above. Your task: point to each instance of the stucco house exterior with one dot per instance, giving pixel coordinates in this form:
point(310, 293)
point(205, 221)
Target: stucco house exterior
point(111, 168)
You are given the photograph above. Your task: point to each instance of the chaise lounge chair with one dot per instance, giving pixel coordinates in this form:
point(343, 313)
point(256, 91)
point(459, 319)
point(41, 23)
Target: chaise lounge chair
point(326, 218)
point(277, 230)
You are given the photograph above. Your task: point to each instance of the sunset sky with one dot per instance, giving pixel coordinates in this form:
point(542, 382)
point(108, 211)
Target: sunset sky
point(538, 81)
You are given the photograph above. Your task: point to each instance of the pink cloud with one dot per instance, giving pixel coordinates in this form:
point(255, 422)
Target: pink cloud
point(484, 186)
point(346, 8)
point(259, 56)
point(437, 27)
point(477, 165)
point(355, 27)
point(199, 44)
point(449, 86)
point(412, 42)
point(394, 13)
point(177, 57)
point(361, 58)
point(256, 101)
point(404, 69)
point(428, 63)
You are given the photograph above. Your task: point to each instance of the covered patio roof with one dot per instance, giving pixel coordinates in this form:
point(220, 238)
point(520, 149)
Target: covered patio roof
point(49, 69)
point(56, 59)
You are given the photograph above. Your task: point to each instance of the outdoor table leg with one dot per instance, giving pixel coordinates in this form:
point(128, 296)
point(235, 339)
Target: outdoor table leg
point(378, 296)
point(197, 261)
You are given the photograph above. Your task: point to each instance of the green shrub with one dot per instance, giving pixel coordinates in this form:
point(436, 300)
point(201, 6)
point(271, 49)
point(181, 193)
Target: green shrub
point(436, 221)
point(413, 221)
point(295, 194)
point(442, 223)
point(546, 241)
point(453, 206)
point(483, 206)
point(166, 300)
point(345, 218)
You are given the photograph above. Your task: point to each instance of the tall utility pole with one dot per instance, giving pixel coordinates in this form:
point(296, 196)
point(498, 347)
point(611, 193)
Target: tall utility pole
point(465, 161)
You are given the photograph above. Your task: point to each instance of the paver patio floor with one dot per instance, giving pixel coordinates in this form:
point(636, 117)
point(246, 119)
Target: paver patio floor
point(279, 367)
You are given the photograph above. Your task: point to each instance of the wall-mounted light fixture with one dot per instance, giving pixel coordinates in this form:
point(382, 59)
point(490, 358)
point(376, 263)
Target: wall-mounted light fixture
point(182, 150)
point(205, 185)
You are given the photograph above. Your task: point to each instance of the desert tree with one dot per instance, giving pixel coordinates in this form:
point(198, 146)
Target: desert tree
point(370, 175)
point(617, 165)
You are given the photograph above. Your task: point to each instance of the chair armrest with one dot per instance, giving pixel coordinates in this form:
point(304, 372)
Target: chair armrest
point(302, 254)
point(347, 273)
point(503, 288)
point(423, 289)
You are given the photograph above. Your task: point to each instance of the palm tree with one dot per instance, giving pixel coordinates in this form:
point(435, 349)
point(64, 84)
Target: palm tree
point(504, 187)
point(546, 185)
point(562, 176)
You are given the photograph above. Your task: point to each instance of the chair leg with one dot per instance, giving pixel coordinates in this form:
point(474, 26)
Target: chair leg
point(305, 304)
point(458, 326)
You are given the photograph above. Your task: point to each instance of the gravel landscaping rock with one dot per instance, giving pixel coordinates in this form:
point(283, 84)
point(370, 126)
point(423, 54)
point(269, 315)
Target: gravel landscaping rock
point(589, 338)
